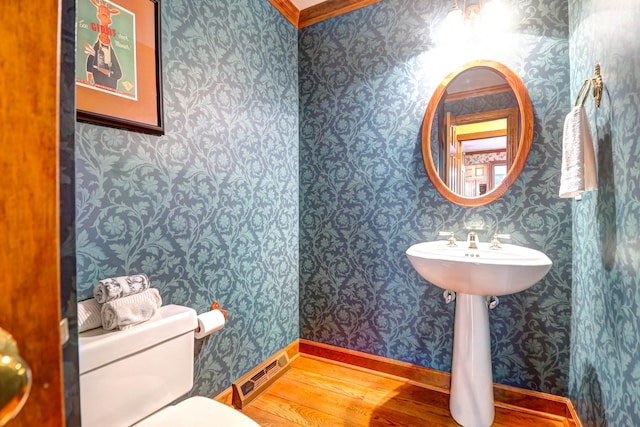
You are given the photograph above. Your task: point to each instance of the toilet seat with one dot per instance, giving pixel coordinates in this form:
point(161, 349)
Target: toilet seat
point(198, 411)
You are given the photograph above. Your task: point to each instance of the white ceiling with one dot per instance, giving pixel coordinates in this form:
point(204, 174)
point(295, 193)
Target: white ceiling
point(474, 79)
point(485, 144)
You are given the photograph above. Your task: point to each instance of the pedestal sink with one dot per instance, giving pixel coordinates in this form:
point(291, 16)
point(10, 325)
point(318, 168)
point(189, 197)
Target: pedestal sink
point(475, 274)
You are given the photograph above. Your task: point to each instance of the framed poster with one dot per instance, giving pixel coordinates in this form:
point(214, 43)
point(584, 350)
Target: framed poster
point(118, 64)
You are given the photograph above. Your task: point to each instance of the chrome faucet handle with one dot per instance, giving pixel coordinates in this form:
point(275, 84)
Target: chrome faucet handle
point(472, 240)
point(451, 238)
point(495, 243)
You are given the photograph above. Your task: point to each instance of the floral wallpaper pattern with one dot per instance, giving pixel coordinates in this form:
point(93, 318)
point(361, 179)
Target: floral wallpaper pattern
point(209, 211)
point(478, 159)
point(365, 81)
point(605, 355)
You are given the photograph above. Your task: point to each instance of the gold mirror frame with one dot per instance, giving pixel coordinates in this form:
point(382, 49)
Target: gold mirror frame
point(525, 111)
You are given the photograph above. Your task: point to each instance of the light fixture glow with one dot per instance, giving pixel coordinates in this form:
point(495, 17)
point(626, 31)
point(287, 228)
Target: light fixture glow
point(476, 14)
point(454, 17)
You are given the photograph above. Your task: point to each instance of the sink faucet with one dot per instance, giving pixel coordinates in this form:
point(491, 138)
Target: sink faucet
point(452, 238)
point(495, 243)
point(472, 239)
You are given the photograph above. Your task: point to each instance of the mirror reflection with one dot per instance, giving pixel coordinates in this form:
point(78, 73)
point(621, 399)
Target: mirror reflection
point(476, 129)
point(477, 133)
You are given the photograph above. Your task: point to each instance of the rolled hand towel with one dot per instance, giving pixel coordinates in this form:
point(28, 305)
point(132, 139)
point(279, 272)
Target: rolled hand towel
point(89, 315)
point(118, 287)
point(125, 312)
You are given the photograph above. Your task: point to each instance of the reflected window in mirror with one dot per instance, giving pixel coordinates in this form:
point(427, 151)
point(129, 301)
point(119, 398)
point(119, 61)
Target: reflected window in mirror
point(499, 171)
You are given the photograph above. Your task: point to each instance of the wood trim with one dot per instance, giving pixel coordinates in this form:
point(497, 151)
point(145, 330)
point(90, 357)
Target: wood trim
point(510, 114)
point(293, 350)
point(317, 13)
point(524, 144)
point(329, 9)
point(482, 135)
point(572, 415)
point(288, 10)
point(226, 396)
point(504, 395)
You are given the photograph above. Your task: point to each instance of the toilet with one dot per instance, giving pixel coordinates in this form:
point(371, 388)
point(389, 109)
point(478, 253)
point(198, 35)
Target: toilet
point(131, 377)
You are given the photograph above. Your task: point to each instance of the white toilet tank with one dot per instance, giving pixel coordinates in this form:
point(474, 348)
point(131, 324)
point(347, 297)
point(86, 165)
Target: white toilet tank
point(128, 375)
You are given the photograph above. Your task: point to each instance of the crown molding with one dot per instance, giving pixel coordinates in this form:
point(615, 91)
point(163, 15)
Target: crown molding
point(317, 13)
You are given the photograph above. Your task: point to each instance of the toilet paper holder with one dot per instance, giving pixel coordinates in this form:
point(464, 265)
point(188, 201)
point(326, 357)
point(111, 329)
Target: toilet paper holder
point(215, 306)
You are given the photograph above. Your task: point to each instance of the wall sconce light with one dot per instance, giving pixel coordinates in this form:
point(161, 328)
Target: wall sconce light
point(455, 13)
point(470, 15)
point(476, 14)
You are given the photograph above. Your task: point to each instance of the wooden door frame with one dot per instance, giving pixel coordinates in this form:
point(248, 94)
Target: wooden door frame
point(510, 114)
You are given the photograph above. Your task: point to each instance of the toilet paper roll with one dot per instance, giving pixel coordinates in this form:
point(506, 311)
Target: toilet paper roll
point(209, 322)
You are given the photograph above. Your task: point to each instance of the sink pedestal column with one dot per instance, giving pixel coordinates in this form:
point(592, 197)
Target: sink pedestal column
point(471, 400)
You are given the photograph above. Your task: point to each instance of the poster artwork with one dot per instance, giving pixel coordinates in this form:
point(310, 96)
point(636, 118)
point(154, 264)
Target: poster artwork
point(106, 57)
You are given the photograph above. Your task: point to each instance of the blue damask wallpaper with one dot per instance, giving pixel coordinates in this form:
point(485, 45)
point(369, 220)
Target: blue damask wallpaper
point(605, 354)
point(365, 80)
point(290, 182)
point(209, 211)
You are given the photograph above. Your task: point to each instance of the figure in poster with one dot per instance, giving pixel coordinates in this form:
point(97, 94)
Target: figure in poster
point(102, 63)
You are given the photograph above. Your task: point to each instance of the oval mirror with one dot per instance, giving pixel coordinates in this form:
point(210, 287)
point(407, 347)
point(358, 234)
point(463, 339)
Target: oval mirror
point(477, 132)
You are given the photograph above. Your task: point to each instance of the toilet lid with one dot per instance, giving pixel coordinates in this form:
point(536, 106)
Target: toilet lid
point(198, 412)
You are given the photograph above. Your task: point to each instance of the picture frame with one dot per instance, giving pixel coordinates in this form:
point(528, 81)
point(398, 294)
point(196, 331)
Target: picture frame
point(119, 64)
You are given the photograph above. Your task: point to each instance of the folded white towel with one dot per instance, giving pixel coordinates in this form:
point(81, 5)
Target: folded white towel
point(118, 287)
point(89, 315)
point(125, 312)
point(578, 156)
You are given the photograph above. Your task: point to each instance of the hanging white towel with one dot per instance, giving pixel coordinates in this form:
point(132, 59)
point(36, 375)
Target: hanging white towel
point(122, 313)
point(578, 155)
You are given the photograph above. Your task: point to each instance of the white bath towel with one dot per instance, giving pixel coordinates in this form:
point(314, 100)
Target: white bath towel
point(89, 315)
point(118, 287)
point(122, 313)
point(578, 155)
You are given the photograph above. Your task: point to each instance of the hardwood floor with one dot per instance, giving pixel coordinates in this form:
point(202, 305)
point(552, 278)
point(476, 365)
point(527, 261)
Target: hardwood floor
point(321, 392)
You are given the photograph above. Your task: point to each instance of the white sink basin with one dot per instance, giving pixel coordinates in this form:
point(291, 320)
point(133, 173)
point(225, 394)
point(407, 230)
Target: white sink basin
point(475, 274)
point(481, 271)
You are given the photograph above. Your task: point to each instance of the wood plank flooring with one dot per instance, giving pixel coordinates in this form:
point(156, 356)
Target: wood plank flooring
point(320, 392)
